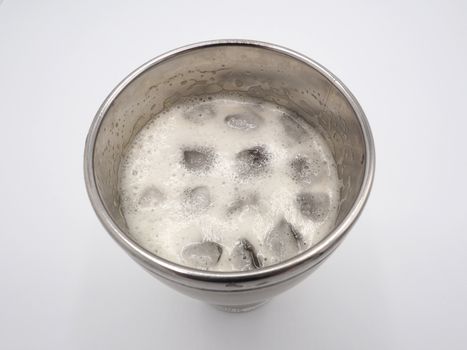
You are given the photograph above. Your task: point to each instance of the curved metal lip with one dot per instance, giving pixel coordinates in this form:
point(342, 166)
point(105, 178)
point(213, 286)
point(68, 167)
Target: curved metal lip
point(165, 267)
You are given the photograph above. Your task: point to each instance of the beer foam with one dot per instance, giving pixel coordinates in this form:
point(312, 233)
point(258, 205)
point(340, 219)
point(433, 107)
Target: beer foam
point(227, 177)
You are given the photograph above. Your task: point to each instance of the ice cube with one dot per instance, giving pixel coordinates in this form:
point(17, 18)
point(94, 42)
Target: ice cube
point(244, 257)
point(200, 113)
point(283, 241)
point(202, 255)
point(246, 121)
point(243, 202)
point(314, 206)
point(293, 129)
point(197, 199)
point(150, 197)
point(308, 168)
point(198, 158)
point(301, 169)
point(253, 161)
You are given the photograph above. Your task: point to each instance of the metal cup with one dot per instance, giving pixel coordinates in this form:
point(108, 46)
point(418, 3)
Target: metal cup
point(263, 71)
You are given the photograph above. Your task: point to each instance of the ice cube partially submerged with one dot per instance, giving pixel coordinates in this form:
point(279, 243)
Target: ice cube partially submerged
point(244, 202)
point(244, 257)
point(301, 169)
point(198, 158)
point(293, 129)
point(253, 161)
point(307, 168)
point(202, 255)
point(283, 241)
point(197, 199)
point(314, 206)
point(150, 197)
point(199, 113)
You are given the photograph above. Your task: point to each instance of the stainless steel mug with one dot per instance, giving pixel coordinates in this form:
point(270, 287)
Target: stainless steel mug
point(261, 70)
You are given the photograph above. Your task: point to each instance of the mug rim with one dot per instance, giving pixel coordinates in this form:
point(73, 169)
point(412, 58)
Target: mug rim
point(309, 257)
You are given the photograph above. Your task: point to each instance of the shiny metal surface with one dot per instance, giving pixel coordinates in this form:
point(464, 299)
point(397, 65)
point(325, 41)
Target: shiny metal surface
point(262, 70)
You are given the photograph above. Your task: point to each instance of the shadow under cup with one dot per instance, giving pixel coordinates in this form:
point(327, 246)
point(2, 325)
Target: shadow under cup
point(259, 70)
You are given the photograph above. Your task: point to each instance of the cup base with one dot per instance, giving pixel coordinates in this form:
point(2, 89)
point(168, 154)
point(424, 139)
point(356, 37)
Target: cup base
point(240, 308)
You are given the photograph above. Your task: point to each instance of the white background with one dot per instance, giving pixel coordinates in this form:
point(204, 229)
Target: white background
point(399, 281)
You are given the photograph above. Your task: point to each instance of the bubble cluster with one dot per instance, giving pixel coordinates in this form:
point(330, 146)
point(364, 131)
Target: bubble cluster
point(245, 122)
point(228, 183)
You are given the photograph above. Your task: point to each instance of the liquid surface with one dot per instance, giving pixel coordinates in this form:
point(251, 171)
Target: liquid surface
point(228, 183)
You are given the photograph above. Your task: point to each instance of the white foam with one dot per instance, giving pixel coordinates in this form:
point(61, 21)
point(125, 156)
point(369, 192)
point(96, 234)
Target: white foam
point(165, 215)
